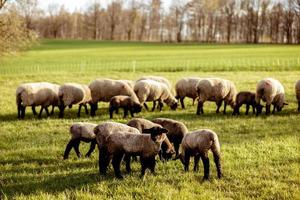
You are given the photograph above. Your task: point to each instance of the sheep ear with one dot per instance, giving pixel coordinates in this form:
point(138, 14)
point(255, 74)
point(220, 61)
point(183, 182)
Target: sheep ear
point(285, 103)
point(163, 130)
point(147, 130)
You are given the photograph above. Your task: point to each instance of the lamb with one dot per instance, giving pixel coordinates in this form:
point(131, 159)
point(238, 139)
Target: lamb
point(149, 90)
point(105, 89)
point(197, 144)
point(186, 87)
point(125, 102)
point(146, 146)
point(297, 89)
point(73, 93)
point(247, 98)
point(102, 131)
point(270, 91)
point(36, 94)
point(144, 124)
point(81, 132)
point(217, 90)
point(176, 131)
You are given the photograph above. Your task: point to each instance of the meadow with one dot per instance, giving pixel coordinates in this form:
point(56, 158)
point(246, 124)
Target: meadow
point(260, 155)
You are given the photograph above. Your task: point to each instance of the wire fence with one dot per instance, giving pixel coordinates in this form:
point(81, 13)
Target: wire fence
point(208, 65)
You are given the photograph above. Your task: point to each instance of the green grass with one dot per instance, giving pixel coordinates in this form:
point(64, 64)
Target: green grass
point(261, 157)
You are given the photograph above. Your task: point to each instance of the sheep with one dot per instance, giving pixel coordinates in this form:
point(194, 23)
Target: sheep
point(176, 131)
point(125, 102)
point(105, 89)
point(146, 146)
point(102, 131)
point(186, 87)
point(217, 90)
point(247, 98)
point(36, 94)
point(73, 93)
point(81, 132)
point(149, 90)
point(270, 91)
point(144, 124)
point(297, 89)
point(197, 144)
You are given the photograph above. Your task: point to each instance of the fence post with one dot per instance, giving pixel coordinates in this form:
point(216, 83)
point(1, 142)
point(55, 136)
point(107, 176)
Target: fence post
point(133, 66)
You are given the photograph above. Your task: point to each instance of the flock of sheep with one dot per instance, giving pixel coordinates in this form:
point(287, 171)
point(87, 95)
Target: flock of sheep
point(132, 96)
point(141, 137)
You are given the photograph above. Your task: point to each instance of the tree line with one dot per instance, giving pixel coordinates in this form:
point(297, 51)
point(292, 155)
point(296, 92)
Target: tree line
point(210, 21)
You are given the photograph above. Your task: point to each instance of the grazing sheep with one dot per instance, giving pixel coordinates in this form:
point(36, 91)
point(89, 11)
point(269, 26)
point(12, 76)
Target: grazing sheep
point(176, 131)
point(125, 102)
point(105, 89)
point(186, 87)
point(102, 131)
point(73, 93)
point(144, 124)
point(217, 90)
point(146, 146)
point(197, 144)
point(297, 88)
point(81, 132)
point(36, 94)
point(247, 98)
point(149, 90)
point(270, 91)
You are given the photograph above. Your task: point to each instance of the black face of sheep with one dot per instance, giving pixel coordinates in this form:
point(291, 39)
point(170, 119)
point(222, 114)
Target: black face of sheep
point(174, 106)
point(259, 109)
point(155, 131)
point(137, 108)
point(279, 108)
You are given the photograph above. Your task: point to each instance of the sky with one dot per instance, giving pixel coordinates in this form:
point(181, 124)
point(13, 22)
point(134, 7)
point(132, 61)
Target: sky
point(72, 5)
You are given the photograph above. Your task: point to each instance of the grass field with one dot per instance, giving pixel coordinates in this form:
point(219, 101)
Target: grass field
point(261, 155)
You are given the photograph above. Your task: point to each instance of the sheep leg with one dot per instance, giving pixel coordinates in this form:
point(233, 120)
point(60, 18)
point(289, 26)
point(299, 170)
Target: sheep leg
point(79, 110)
point(127, 160)
point(205, 161)
point(161, 105)
point(33, 110)
point(273, 112)
point(68, 149)
point(225, 105)
point(23, 109)
point(131, 112)
point(47, 111)
point(104, 160)
point(196, 163)
point(236, 110)
point(94, 107)
point(253, 109)
point(145, 105)
point(182, 102)
point(186, 161)
point(111, 112)
point(268, 108)
point(199, 108)
point(219, 104)
point(299, 106)
point(247, 109)
point(152, 163)
point(176, 147)
point(61, 111)
point(19, 111)
point(76, 147)
point(86, 109)
point(218, 165)
point(154, 106)
point(92, 148)
point(116, 161)
point(52, 111)
point(41, 111)
point(125, 112)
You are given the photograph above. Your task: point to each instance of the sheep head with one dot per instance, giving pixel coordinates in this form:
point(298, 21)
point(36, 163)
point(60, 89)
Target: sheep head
point(157, 133)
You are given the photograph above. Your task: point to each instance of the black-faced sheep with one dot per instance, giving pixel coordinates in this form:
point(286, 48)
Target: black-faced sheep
point(270, 91)
point(297, 90)
point(81, 132)
point(247, 98)
point(125, 102)
point(102, 131)
point(146, 146)
point(149, 90)
point(105, 89)
point(176, 131)
point(73, 93)
point(187, 87)
point(197, 144)
point(36, 94)
point(217, 90)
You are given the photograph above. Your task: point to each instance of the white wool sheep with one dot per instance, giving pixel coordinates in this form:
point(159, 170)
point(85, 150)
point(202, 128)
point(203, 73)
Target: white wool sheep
point(187, 87)
point(102, 131)
point(73, 93)
point(149, 90)
point(270, 91)
point(176, 131)
point(297, 90)
point(216, 90)
point(81, 131)
point(36, 94)
point(105, 89)
point(197, 144)
point(146, 146)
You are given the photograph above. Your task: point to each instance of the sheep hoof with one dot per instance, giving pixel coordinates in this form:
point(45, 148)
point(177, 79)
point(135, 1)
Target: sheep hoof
point(119, 177)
